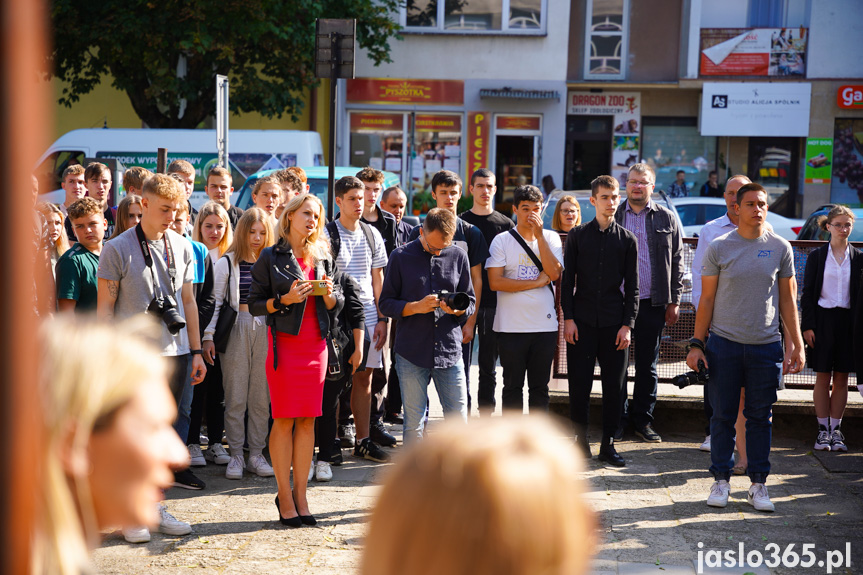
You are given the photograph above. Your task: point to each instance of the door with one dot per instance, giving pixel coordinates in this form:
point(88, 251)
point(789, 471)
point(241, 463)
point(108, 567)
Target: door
point(773, 163)
point(588, 150)
point(515, 160)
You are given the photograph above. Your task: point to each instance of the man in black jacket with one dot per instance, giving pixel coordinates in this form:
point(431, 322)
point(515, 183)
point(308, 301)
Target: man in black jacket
point(600, 256)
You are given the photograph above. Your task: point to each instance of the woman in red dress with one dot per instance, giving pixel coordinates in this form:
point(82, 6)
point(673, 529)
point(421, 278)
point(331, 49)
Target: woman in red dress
point(297, 361)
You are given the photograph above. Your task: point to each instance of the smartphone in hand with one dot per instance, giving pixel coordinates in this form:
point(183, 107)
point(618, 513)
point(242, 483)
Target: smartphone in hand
point(319, 287)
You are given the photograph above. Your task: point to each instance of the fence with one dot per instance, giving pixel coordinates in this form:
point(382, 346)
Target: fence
point(672, 350)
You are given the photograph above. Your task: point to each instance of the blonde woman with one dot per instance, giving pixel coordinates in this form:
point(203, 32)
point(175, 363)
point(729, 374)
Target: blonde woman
point(297, 359)
point(129, 212)
point(456, 503)
point(243, 363)
point(213, 229)
point(109, 447)
point(55, 230)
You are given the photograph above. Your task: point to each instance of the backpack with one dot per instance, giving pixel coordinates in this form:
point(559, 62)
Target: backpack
point(336, 240)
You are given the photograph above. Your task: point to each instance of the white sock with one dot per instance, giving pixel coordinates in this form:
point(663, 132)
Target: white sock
point(835, 423)
point(825, 421)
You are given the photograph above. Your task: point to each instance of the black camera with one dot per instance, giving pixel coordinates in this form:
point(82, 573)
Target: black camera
point(692, 377)
point(457, 301)
point(165, 308)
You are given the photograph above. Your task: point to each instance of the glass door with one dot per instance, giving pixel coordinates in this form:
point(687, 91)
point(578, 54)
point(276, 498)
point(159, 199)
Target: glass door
point(773, 163)
point(588, 150)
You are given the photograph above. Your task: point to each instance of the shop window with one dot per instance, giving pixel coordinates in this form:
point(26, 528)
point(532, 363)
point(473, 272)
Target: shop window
point(847, 184)
point(670, 145)
point(475, 16)
point(606, 39)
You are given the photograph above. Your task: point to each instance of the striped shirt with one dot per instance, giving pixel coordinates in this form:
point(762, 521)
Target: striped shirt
point(636, 223)
point(357, 260)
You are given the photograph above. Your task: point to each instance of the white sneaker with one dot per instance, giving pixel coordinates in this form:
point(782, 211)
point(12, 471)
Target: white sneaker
point(719, 494)
point(705, 445)
point(235, 467)
point(837, 441)
point(136, 534)
point(323, 471)
point(823, 442)
point(258, 465)
point(311, 472)
point(217, 454)
point(196, 456)
point(759, 499)
point(170, 525)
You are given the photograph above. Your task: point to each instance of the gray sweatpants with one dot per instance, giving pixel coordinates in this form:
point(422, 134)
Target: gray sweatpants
point(245, 381)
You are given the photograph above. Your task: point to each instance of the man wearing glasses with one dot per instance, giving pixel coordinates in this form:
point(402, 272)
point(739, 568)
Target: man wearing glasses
point(660, 282)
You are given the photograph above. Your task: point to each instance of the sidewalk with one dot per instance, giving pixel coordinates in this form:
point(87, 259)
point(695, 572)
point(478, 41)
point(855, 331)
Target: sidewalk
point(651, 514)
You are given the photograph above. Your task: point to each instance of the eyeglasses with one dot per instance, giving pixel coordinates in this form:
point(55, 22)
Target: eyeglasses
point(841, 226)
point(569, 212)
point(431, 249)
point(638, 183)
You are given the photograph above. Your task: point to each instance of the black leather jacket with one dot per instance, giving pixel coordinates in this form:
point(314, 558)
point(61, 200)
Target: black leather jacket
point(274, 273)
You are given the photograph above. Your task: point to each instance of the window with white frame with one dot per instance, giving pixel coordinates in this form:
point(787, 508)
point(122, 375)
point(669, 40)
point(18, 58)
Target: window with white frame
point(606, 36)
point(475, 16)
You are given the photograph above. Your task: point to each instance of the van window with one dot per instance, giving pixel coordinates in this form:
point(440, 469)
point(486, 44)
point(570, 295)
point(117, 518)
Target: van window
point(51, 169)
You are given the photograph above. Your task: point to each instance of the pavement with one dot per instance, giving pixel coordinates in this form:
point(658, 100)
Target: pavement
point(652, 513)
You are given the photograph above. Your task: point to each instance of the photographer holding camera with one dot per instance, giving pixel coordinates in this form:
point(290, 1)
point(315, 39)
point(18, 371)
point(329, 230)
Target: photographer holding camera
point(150, 269)
point(428, 287)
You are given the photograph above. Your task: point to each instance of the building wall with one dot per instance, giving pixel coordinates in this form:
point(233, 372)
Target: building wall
point(836, 41)
point(654, 40)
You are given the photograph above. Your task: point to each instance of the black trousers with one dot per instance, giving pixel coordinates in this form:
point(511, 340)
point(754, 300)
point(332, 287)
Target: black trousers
point(487, 354)
point(393, 401)
point(596, 343)
point(645, 338)
point(325, 425)
point(528, 354)
point(208, 398)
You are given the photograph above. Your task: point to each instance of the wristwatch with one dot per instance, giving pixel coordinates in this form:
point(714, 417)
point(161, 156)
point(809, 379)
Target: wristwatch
point(695, 343)
point(197, 352)
point(383, 319)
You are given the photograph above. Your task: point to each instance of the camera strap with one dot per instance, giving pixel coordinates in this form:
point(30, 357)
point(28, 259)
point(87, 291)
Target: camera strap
point(533, 257)
point(148, 257)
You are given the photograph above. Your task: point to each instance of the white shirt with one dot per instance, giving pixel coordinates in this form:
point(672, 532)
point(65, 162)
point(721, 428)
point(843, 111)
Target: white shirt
point(836, 287)
point(529, 311)
point(709, 232)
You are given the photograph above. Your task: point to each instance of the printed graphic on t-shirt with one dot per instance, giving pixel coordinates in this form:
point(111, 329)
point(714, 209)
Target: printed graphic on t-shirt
point(526, 268)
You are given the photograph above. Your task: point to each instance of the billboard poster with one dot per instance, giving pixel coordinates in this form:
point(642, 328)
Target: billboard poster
point(847, 185)
point(755, 109)
point(819, 161)
point(753, 52)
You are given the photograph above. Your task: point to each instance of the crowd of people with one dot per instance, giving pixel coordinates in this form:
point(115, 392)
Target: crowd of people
point(287, 332)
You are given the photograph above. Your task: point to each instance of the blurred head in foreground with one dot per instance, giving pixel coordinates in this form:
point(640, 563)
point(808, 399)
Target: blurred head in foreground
point(109, 445)
point(498, 497)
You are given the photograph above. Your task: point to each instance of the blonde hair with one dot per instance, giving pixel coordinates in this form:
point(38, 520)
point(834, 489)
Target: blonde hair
point(165, 187)
point(135, 177)
point(62, 243)
point(181, 167)
point(240, 247)
point(122, 223)
point(497, 497)
point(212, 208)
point(555, 218)
point(80, 396)
point(316, 246)
point(834, 212)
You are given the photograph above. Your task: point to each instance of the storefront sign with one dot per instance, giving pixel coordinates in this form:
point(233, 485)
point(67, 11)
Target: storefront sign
point(847, 185)
point(399, 91)
point(376, 122)
point(524, 123)
point(755, 52)
point(440, 123)
point(478, 128)
point(819, 160)
point(603, 103)
point(850, 97)
point(755, 109)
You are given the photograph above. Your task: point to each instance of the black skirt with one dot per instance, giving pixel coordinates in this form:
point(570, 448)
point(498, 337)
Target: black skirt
point(833, 349)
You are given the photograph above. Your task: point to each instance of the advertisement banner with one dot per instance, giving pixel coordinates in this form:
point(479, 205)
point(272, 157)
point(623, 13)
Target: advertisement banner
point(524, 123)
point(478, 128)
point(819, 161)
point(850, 97)
point(439, 123)
point(401, 91)
point(753, 52)
point(847, 185)
point(376, 122)
point(755, 109)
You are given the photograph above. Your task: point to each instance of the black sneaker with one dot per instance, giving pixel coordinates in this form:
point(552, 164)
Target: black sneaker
point(368, 449)
point(647, 433)
point(394, 418)
point(347, 435)
point(380, 436)
point(336, 458)
point(187, 480)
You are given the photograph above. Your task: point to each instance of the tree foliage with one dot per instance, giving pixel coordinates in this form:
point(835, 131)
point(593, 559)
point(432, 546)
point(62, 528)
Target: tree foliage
point(165, 54)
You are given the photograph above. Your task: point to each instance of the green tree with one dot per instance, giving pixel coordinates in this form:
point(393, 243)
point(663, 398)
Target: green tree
point(165, 54)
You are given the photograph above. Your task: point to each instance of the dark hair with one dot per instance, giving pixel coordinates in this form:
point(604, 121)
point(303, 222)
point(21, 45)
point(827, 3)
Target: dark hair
point(609, 182)
point(95, 170)
point(440, 220)
point(371, 175)
point(289, 179)
point(482, 173)
point(526, 193)
point(548, 184)
point(750, 187)
point(712, 173)
point(346, 184)
point(680, 172)
point(445, 178)
point(386, 193)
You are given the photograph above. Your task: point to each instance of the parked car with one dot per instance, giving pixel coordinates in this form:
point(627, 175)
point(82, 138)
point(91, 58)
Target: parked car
point(696, 211)
point(811, 231)
point(588, 212)
point(317, 180)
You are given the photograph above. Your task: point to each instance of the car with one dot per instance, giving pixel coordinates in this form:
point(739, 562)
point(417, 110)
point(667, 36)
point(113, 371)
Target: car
point(317, 180)
point(588, 212)
point(696, 211)
point(811, 230)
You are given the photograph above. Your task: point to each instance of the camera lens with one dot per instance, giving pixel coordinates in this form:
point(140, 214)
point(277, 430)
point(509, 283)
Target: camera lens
point(457, 301)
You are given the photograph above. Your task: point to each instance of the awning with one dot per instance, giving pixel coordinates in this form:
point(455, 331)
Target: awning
point(511, 94)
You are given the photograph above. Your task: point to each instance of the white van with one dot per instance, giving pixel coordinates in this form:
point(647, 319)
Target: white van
point(249, 151)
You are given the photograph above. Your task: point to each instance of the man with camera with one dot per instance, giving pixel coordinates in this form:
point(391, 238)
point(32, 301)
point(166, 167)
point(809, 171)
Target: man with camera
point(428, 287)
point(746, 277)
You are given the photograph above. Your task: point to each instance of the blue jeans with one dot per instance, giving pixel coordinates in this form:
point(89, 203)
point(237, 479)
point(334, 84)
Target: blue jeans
point(758, 370)
point(184, 404)
point(414, 380)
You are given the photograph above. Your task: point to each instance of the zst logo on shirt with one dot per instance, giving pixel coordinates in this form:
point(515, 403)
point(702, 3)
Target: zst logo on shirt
point(764, 253)
point(526, 269)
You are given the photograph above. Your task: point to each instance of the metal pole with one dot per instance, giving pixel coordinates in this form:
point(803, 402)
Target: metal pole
point(222, 88)
point(331, 178)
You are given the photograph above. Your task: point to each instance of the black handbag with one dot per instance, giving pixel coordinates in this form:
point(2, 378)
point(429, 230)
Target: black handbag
point(227, 318)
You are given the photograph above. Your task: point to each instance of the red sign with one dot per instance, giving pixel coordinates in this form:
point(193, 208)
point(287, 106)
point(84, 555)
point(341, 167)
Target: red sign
point(400, 91)
point(517, 123)
point(850, 97)
point(427, 123)
point(376, 122)
point(753, 51)
point(478, 128)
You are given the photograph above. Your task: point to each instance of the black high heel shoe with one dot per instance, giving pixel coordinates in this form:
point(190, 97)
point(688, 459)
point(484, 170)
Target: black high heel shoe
point(305, 519)
point(292, 522)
